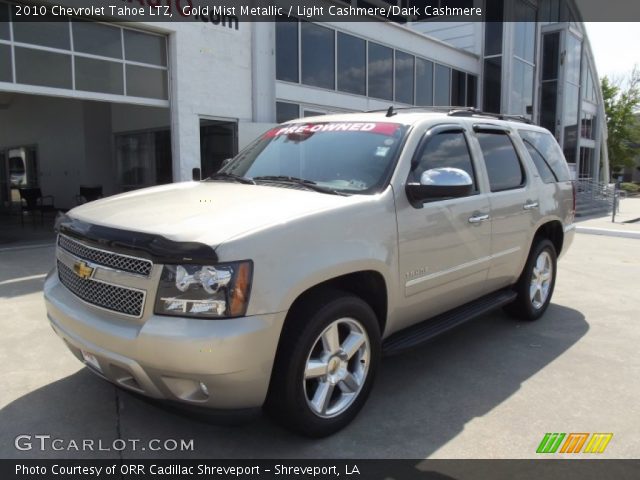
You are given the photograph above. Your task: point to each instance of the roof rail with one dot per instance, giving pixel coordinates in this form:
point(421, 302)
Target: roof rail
point(470, 112)
point(455, 111)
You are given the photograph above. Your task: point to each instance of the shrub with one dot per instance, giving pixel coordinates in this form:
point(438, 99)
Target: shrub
point(630, 187)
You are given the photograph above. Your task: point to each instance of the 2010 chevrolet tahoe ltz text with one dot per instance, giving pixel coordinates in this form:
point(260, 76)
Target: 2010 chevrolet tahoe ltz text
point(282, 279)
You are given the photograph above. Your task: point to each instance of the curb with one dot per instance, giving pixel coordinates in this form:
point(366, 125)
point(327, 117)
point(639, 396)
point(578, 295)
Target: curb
point(608, 232)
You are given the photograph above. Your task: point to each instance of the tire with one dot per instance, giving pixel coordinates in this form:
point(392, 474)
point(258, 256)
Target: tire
point(320, 381)
point(536, 283)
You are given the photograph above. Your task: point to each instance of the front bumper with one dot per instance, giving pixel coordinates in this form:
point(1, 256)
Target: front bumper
point(171, 357)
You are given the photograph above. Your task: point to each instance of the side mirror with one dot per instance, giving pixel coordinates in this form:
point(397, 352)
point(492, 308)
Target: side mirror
point(440, 183)
point(196, 174)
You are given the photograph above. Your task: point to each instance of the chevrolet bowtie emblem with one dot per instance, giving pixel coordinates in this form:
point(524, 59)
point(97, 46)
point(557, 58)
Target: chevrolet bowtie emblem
point(83, 270)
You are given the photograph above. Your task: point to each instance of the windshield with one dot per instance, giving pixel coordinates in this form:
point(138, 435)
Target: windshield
point(343, 156)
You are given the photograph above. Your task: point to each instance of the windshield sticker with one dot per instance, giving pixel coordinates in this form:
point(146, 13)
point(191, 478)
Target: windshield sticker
point(388, 129)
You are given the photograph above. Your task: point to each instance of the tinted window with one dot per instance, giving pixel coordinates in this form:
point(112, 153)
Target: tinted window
point(503, 165)
point(445, 150)
point(147, 82)
point(472, 91)
point(380, 71)
point(145, 48)
point(492, 84)
point(47, 69)
point(99, 76)
point(352, 64)
point(287, 50)
point(48, 32)
point(442, 94)
point(318, 55)
point(458, 88)
point(6, 73)
point(4, 21)
point(550, 54)
point(286, 111)
point(424, 82)
point(547, 148)
point(97, 39)
point(404, 77)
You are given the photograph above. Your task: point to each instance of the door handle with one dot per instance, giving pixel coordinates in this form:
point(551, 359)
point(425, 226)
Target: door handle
point(479, 218)
point(530, 205)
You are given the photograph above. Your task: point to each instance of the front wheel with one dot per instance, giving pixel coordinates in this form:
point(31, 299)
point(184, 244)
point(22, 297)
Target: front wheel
point(535, 285)
point(326, 362)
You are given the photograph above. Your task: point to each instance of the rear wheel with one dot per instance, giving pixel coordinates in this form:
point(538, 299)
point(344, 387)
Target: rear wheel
point(535, 285)
point(325, 364)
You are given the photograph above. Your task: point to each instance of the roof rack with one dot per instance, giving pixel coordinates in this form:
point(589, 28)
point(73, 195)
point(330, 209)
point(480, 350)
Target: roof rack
point(455, 111)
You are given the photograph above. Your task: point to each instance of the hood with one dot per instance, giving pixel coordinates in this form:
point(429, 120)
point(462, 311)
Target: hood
point(205, 212)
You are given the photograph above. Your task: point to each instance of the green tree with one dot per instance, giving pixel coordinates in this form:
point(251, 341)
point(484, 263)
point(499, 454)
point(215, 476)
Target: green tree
point(621, 101)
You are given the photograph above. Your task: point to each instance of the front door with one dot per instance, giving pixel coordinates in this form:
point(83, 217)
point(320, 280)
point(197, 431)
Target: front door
point(444, 244)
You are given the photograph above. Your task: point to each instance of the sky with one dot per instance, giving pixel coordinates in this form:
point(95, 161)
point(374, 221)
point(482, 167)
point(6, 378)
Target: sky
point(615, 47)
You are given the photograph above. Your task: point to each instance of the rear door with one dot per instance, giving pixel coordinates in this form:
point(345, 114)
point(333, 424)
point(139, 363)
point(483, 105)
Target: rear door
point(443, 244)
point(514, 204)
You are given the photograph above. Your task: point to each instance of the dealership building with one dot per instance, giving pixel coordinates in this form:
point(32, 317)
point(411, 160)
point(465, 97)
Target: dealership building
point(124, 105)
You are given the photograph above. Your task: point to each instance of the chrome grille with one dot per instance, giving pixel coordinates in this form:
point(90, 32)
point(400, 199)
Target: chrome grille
point(125, 263)
point(110, 297)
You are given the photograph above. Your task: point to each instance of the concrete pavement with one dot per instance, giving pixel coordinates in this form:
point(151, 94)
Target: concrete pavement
point(490, 389)
point(626, 225)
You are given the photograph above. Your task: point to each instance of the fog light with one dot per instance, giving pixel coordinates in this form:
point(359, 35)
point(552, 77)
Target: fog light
point(204, 389)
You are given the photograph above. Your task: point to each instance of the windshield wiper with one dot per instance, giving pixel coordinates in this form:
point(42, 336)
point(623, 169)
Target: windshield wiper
point(308, 184)
point(231, 176)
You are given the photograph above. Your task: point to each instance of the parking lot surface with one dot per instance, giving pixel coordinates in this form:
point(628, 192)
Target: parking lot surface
point(490, 389)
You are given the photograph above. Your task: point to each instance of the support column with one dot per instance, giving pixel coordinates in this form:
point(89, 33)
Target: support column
point(185, 124)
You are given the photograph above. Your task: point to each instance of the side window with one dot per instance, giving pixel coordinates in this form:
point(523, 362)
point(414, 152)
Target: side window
point(502, 162)
point(547, 151)
point(447, 149)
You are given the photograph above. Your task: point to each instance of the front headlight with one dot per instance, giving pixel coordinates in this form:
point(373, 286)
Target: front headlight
point(206, 291)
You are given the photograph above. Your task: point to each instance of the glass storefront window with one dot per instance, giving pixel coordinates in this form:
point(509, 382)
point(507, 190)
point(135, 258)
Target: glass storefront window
point(146, 82)
point(42, 68)
point(48, 32)
point(352, 64)
point(472, 90)
point(458, 88)
point(492, 84)
point(286, 111)
point(424, 82)
point(99, 76)
point(287, 50)
point(550, 56)
point(442, 79)
point(522, 87)
point(380, 70)
point(6, 71)
point(4, 21)
point(145, 48)
point(97, 39)
point(404, 76)
point(572, 59)
point(525, 31)
point(318, 55)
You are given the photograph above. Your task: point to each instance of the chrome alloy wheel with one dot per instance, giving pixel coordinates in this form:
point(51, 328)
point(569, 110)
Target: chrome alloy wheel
point(541, 277)
point(336, 367)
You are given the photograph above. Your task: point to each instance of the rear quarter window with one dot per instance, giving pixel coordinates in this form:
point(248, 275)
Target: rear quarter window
point(546, 155)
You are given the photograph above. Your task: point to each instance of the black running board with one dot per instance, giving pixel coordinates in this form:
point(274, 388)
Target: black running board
point(424, 331)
